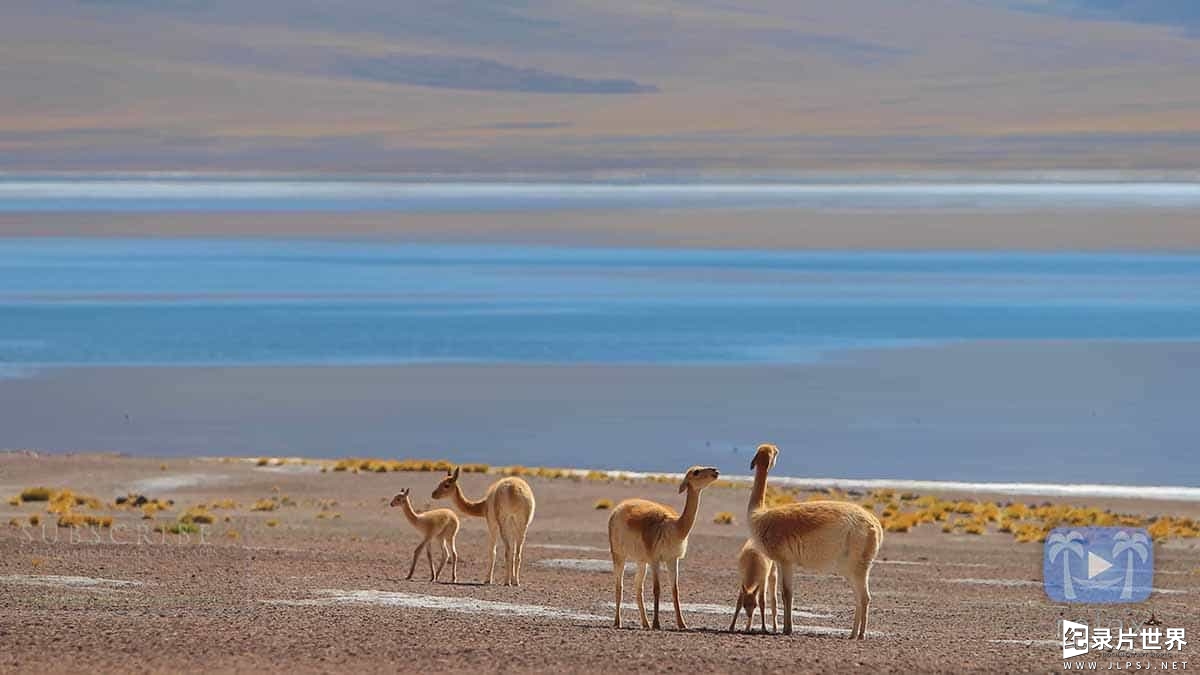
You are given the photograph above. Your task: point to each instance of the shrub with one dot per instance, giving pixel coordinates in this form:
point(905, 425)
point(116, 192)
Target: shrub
point(723, 518)
point(596, 475)
point(603, 504)
point(264, 505)
point(35, 520)
point(272, 523)
point(14, 500)
point(177, 528)
point(84, 520)
point(197, 516)
point(37, 494)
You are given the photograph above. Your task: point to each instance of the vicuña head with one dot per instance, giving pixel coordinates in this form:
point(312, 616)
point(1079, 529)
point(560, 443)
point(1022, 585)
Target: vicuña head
point(400, 497)
point(698, 478)
point(765, 456)
point(446, 487)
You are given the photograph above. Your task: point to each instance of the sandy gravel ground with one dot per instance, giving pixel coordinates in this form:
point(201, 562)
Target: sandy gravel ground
point(312, 594)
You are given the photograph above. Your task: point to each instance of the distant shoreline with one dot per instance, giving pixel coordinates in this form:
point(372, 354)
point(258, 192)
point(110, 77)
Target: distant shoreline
point(1146, 230)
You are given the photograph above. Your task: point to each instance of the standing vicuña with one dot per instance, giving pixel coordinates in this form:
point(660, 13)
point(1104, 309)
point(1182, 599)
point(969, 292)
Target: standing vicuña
point(649, 533)
point(439, 524)
point(508, 507)
point(759, 578)
point(823, 535)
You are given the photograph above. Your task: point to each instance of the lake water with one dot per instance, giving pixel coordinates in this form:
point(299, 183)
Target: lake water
point(1014, 366)
point(186, 301)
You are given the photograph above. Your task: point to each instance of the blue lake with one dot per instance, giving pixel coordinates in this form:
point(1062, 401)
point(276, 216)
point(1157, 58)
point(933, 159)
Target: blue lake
point(287, 301)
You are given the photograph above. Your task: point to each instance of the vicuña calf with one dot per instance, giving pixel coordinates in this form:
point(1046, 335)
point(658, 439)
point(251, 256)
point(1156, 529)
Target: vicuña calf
point(436, 524)
point(759, 577)
point(649, 534)
point(823, 535)
point(508, 507)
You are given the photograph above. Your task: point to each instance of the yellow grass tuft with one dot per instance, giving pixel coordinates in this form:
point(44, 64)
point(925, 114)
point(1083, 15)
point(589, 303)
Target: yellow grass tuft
point(901, 522)
point(232, 534)
point(603, 504)
point(775, 497)
point(197, 516)
point(723, 518)
point(84, 520)
point(265, 505)
point(596, 475)
point(13, 522)
point(272, 523)
point(14, 500)
point(35, 520)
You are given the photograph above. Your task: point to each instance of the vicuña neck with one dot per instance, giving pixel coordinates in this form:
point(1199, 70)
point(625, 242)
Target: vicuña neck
point(467, 506)
point(688, 518)
point(758, 493)
point(409, 513)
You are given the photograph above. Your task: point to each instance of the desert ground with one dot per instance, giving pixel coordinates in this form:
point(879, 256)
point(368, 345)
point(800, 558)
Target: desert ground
point(317, 583)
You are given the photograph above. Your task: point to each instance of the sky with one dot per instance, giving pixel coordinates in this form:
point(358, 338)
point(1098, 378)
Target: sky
point(585, 87)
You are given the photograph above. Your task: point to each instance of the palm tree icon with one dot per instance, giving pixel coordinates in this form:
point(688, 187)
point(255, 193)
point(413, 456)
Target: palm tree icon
point(1065, 545)
point(1137, 543)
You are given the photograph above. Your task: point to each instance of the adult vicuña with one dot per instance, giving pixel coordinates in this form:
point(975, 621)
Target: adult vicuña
point(822, 535)
point(508, 507)
point(439, 524)
point(759, 578)
point(650, 533)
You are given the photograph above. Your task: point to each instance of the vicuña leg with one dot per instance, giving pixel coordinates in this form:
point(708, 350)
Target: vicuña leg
point(640, 582)
point(445, 557)
point(453, 561)
point(737, 610)
point(862, 597)
point(416, 555)
point(429, 556)
point(785, 581)
point(520, 552)
point(762, 603)
point(674, 568)
point(618, 582)
point(772, 584)
point(510, 553)
point(657, 592)
point(493, 541)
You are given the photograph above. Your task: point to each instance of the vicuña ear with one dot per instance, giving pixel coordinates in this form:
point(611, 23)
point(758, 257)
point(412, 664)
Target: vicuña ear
point(683, 486)
point(457, 469)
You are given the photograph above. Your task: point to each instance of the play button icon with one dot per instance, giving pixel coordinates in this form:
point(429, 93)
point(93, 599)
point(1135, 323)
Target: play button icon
point(1096, 565)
